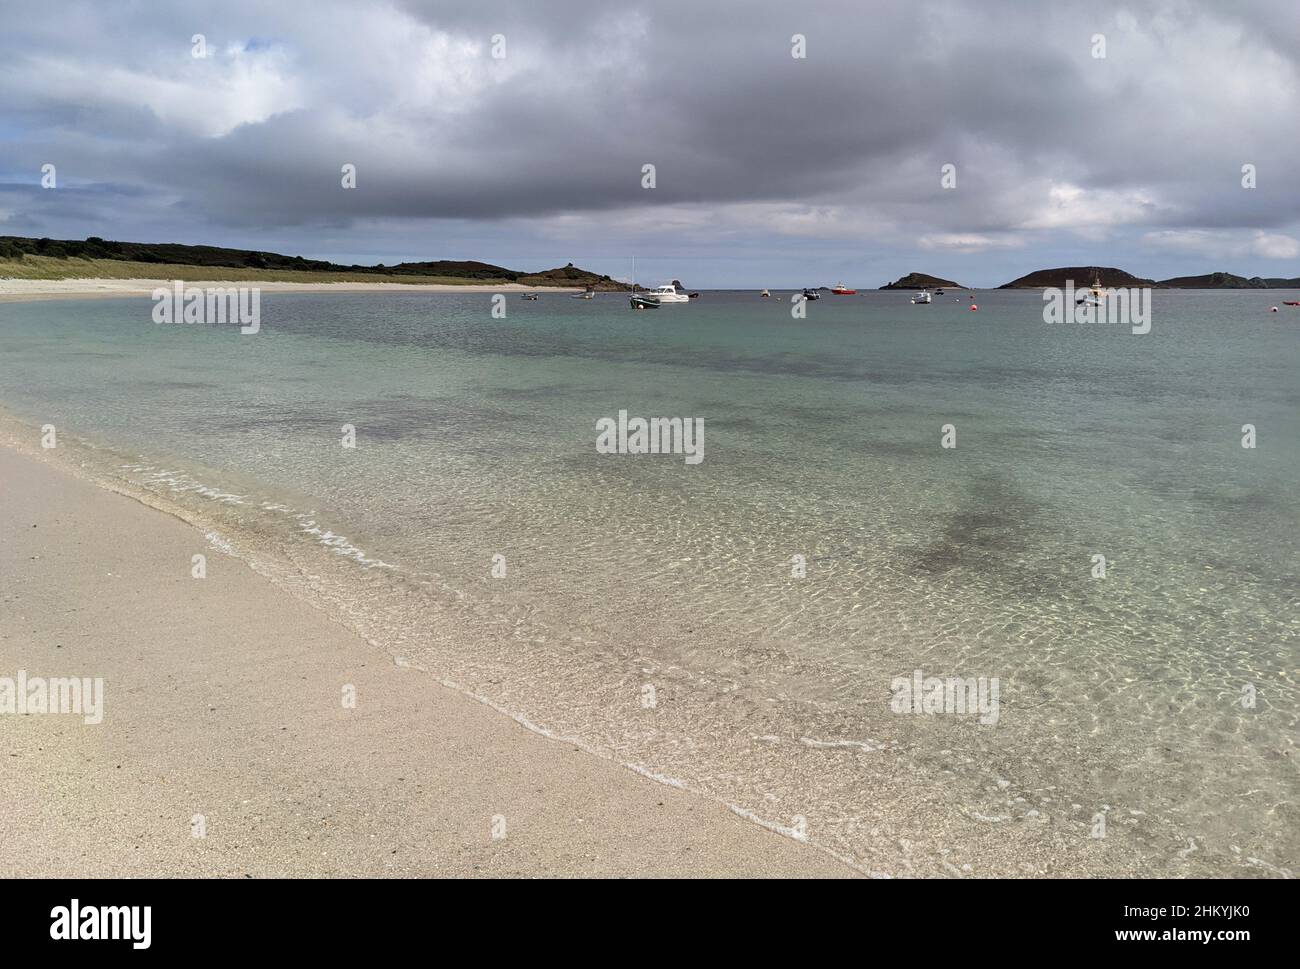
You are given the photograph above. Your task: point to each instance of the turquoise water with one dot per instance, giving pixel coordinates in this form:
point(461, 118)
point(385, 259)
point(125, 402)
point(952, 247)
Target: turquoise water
point(1121, 697)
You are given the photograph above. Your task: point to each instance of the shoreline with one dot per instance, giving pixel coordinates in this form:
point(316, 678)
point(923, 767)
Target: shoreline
point(234, 714)
point(32, 290)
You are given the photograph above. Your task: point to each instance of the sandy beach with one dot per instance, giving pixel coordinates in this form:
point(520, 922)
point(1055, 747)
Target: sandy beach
point(23, 290)
point(223, 711)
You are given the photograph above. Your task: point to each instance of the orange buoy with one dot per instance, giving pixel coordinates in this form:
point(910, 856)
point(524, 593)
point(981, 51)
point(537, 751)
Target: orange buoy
point(973, 307)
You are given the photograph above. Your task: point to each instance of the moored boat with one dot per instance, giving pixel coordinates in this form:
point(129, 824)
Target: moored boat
point(839, 289)
point(1095, 296)
point(922, 297)
point(668, 293)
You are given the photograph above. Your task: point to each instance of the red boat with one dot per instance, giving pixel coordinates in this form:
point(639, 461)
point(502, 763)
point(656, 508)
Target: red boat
point(1291, 302)
point(842, 290)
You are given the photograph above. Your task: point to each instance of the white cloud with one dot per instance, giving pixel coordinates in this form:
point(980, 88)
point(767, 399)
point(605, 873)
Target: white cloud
point(208, 96)
point(1275, 246)
point(1068, 206)
point(957, 242)
point(1225, 244)
point(1197, 241)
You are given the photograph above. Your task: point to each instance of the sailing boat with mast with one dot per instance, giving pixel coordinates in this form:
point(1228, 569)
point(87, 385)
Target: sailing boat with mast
point(640, 302)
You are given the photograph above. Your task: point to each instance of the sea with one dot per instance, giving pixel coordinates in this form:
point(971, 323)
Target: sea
point(951, 591)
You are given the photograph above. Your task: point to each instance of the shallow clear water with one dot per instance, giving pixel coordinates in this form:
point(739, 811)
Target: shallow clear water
point(1119, 696)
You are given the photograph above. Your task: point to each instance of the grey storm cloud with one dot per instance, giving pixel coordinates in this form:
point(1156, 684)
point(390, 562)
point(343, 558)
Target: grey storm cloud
point(847, 142)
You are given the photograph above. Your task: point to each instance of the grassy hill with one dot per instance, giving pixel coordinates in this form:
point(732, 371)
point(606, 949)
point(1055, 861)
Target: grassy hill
point(1082, 277)
point(1214, 281)
point(922, 281)
point(24, 258)
point(1116, 278)
point(1227, 281)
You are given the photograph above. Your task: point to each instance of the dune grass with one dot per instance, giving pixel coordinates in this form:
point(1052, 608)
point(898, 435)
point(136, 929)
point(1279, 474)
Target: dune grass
point(48, 267)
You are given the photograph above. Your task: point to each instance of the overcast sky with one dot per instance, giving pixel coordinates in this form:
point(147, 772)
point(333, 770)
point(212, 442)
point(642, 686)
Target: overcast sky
point(770, 169)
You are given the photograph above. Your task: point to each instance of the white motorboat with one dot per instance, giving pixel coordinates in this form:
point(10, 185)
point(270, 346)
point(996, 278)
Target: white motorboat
point(1096, 296)
point(668, 293)
point(922, 297)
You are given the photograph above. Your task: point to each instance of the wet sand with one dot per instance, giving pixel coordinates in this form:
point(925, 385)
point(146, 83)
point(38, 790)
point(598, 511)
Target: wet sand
point(223, 709)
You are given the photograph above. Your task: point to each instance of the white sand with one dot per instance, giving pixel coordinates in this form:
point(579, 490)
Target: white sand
point(223, 698)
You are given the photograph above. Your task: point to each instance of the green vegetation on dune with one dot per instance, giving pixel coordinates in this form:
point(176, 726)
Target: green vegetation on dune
point(24, 258)
point(49, 267)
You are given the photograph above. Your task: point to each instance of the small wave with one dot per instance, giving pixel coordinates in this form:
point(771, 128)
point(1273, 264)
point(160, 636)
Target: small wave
point(339, 543)
point(179, 482)
point(221, 543)
point(856, 744)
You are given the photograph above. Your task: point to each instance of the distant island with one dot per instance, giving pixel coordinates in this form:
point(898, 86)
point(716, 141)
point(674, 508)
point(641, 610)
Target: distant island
point(1081, 276)
point(1229, 281)
point(1110, 277)
point(22, 257)
point(922, 281)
